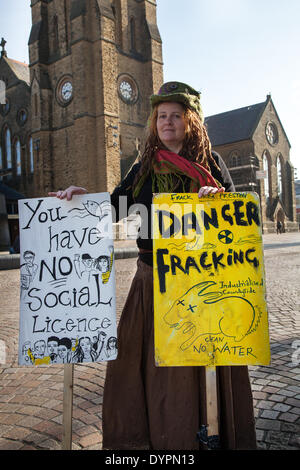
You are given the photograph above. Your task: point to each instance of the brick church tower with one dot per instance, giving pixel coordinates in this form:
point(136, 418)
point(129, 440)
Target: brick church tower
point(93, 66)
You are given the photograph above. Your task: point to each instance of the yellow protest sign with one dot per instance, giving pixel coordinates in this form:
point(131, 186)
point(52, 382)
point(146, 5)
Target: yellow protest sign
point(209, 281)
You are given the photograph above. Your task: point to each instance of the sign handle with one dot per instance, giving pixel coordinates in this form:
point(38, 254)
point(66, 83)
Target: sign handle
point(209, 433)
point(68, 406)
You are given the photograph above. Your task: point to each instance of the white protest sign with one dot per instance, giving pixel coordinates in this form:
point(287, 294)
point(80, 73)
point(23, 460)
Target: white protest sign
point(67, 274)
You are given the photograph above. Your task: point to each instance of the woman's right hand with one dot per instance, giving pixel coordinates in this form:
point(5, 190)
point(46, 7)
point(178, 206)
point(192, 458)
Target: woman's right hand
point(68, 193)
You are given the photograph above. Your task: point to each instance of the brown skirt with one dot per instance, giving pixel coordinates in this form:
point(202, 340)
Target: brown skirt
point(149, 407)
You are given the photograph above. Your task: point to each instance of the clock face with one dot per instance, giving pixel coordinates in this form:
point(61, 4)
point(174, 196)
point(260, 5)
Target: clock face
point(271, 133)
point(126, 90)
point(67, 91)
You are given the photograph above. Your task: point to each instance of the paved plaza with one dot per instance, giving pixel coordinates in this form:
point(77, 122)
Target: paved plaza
point(31, 399)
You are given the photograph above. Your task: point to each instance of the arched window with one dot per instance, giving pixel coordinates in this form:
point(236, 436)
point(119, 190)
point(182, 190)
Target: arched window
point(31, 165)
point(235, 159)
point(67, 22)
point(266, 180)
point(55, 33)
point(279, 177)
point(18, 157)
point(132, 35)
point(116, 8)
point(8, 149)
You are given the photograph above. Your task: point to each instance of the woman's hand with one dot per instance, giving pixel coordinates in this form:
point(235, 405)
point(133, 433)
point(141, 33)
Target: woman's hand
point(205, 190)
point(68, 193)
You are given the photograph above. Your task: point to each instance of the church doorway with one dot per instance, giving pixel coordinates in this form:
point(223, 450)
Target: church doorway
point(280, 225)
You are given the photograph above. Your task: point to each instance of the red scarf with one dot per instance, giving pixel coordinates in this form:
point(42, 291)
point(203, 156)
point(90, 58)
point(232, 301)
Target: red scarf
point(168, 165)
point(168, 162)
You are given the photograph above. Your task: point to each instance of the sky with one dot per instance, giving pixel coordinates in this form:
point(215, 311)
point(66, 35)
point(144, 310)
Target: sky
point(234, 52)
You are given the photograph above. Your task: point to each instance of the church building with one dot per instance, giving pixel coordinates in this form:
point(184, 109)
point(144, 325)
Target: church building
point(77, 113)
point(16, 151)
point(253, 143)
point(93, 66)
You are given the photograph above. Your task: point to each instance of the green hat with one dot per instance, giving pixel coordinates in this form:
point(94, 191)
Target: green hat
point(180, 93)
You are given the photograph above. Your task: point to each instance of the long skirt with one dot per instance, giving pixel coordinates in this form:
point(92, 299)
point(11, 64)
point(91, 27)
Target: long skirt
point(149, 407)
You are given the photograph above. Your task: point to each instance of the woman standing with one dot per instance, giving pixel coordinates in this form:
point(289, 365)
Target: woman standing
point(148, 407)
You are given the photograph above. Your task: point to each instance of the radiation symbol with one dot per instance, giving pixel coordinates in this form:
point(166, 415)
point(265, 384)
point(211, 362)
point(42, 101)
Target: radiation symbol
point(226, 237)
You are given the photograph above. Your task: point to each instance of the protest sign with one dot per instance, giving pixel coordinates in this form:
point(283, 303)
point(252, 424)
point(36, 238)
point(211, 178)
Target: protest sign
point(209, 281)
point(67, 275)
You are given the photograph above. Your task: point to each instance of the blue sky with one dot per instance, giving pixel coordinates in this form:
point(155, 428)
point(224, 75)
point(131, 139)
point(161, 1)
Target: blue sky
point(234, 51)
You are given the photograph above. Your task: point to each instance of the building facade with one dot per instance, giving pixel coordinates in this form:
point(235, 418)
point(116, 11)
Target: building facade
point(77, 114)
point(256, 150)
point(297, 191)
point(16, 144)
point(93, 66)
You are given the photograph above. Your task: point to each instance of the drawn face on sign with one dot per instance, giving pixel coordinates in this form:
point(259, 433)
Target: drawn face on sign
point(25, 348)
point(39, 348)
point(103, 264)
point(112, 343)
point(87, 260)
point(62, 351)
point(29, 258)
point(86, 346)
point(52, 346)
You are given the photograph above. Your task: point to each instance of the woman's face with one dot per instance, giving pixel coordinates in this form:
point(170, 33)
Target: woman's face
point(103, 265)
point(85, 345)
point(62, 351)
point(170, 125)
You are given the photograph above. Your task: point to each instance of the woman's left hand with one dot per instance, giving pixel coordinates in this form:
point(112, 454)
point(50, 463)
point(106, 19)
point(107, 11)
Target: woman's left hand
point(205, 190)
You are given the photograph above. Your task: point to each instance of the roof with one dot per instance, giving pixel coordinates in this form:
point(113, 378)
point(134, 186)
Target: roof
point(20, 69)
point(233, 126)
point(10, 193)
